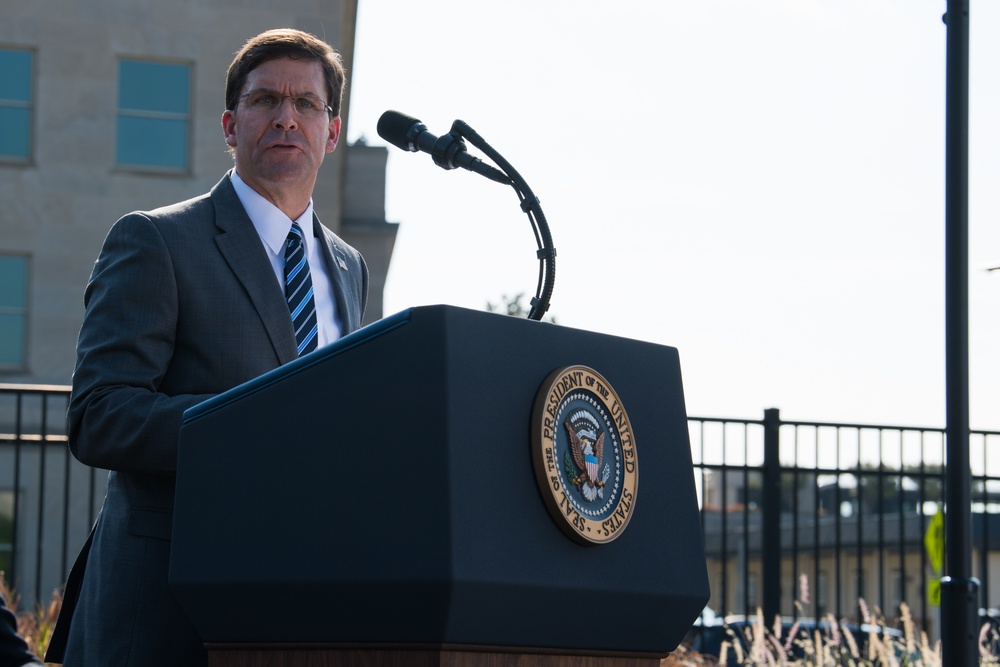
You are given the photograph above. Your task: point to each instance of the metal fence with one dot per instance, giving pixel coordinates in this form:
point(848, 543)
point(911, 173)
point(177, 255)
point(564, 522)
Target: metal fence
point(842, 510)
point(808, 518)
point(48, 499)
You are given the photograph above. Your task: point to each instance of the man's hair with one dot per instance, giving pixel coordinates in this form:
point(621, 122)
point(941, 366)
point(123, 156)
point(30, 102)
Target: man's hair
point(285, 43)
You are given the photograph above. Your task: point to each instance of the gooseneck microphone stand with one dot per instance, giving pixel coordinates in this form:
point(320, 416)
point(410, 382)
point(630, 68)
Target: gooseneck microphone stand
point(546, 252)
point(449, 152)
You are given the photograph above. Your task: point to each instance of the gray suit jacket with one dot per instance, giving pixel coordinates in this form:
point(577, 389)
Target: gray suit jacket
point(182, 305)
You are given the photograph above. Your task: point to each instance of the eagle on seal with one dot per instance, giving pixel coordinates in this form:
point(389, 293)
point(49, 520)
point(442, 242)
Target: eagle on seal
point(588, 456)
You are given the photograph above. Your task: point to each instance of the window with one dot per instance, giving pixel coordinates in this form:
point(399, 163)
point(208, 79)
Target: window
point(898, 588)
point(15, 104)
point(752, 602)
point(6, 532)
point(154, 115)
point(13, 311)
point(820, 593)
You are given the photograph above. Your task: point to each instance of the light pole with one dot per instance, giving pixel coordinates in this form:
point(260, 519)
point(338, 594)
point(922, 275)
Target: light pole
point(959, 590)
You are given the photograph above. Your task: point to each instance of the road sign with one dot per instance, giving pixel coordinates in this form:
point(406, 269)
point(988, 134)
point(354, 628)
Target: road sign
point(934, 541)
point(934, 592)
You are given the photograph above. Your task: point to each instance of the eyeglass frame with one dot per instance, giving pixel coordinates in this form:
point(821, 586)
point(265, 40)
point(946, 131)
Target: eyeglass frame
point(325, 105)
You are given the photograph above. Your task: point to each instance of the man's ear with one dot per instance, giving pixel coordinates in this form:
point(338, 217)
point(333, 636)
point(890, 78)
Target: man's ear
point(229, 127)
point(334, 136)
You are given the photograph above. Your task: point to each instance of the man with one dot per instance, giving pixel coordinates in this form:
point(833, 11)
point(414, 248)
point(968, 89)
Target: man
point(185, 302)
point(13, 651)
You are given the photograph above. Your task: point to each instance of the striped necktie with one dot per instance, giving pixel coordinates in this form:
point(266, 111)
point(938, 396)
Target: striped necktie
point(299, 292)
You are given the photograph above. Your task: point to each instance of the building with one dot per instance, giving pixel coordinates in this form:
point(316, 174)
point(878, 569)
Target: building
point(111, 106)
point(839, 542)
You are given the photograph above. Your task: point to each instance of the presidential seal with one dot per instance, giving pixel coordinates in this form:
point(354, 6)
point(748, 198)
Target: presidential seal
point(584, 456)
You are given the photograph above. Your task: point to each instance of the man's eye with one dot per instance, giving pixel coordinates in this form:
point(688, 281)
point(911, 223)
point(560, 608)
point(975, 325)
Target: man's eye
point(306, 103)
point(264, 100)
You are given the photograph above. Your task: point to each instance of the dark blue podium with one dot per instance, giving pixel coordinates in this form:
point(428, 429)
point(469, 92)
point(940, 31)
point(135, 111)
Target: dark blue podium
point(378, 494)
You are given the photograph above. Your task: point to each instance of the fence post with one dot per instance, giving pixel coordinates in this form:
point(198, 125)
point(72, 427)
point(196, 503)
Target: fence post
point(771, 533)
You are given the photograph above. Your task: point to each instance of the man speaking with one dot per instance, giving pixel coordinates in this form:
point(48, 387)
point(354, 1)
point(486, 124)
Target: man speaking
point(185, 302)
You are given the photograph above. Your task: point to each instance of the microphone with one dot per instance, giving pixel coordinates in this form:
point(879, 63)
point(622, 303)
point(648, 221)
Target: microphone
point(448, 151)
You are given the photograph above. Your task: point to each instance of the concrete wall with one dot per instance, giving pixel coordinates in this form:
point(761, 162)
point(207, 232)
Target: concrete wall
point(363, 217)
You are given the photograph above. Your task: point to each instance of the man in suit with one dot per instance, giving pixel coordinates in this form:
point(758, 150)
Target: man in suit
point(188, 301)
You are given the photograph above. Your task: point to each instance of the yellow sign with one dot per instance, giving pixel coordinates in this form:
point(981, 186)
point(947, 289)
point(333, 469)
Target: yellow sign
point(934, 541)
point(934, 592)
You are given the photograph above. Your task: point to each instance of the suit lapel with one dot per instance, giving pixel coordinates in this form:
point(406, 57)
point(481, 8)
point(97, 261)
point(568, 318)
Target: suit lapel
point(337, 268)
point(241, 247)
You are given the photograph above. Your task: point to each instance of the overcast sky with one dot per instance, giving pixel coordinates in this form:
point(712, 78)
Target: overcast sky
point(759, 184)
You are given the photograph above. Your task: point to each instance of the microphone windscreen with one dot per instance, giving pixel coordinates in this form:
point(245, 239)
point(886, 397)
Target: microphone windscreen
point(393, 126)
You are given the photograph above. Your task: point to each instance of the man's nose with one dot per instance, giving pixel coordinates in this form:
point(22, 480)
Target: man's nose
point(284, 117)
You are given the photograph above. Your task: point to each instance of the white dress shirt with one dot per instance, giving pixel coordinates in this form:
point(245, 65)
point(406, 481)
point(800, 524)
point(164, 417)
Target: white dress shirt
point(273, 227)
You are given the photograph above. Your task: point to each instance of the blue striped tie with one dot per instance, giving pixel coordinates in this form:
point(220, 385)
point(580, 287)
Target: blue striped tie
point(299, 292)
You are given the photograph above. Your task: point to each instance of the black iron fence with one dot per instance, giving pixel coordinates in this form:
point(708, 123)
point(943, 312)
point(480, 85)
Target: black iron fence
point(799, 518)
point(808, 518)
point(48, 499)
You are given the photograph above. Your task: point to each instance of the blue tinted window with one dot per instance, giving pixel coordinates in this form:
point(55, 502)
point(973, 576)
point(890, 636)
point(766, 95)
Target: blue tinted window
point(153, 87)
point(153, 114)
point(14, 129)
point(157, 142)
point(13, 310)
point(15, 103)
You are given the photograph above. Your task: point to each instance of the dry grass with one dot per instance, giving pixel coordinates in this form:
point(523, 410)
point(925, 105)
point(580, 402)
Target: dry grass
point(756, 645)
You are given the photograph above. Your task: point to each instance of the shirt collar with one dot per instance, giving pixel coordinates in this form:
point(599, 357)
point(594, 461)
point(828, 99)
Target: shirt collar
point(271, 223)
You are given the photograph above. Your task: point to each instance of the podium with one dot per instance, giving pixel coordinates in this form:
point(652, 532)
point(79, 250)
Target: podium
point(377, 502)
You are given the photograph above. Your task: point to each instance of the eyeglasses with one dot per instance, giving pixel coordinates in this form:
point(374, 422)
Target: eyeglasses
point(267, 101)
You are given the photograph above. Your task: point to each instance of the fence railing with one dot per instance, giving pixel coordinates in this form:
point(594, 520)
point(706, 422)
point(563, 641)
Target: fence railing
point(48, 499)
point(843, 509)
point(840, 511)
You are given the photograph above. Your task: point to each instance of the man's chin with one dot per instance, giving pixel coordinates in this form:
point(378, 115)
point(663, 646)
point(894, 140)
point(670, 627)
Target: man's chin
point(286, 171)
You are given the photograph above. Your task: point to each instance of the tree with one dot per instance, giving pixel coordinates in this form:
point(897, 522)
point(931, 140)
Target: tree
point(511, 305)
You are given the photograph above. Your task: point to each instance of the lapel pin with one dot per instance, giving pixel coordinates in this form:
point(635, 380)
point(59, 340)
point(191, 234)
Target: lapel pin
point(343, 264)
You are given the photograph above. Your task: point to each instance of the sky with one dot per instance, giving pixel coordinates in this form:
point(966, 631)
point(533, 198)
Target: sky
point(759, 184)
